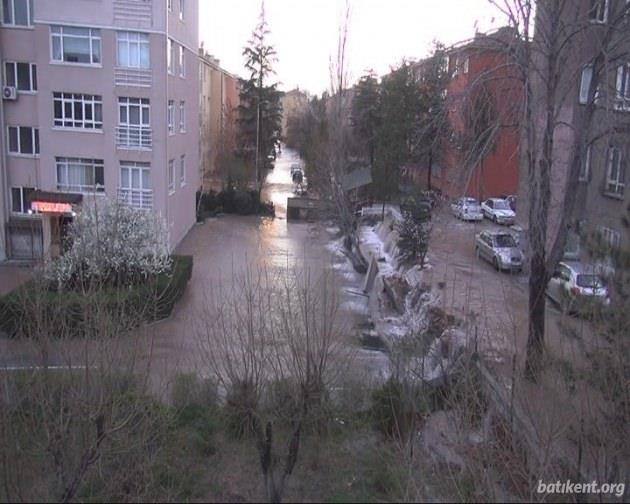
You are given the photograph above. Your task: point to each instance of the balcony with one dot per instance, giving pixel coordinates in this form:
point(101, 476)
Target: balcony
point(133, 13)
point(139, 77)
point(134, 137)
point(137, 198)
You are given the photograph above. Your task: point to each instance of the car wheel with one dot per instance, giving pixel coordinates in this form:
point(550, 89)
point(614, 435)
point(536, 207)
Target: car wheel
point(495, 263)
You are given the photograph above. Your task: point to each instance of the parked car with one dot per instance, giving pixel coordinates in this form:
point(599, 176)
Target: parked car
point(498, 210)
point(467, 209)
point(500, 249)
point(577, 288)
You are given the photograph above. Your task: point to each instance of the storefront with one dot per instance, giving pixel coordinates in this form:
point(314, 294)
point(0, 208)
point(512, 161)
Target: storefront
point(42, 234)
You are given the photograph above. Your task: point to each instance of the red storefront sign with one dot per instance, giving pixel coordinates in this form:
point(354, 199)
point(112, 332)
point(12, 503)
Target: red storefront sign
point(50, 207)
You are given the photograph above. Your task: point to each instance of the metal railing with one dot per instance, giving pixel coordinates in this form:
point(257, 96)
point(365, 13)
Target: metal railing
point(138, 198)
point(141, 77)
point(136, 13)
point(134, 137)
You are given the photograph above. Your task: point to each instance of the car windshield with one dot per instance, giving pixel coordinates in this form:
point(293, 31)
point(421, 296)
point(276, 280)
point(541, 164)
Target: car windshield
point(471, 203)
point(589, 281)
point(501, 205)
point(504, 241)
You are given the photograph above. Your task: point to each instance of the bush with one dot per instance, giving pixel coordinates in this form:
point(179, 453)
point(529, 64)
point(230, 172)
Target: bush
point(69, 312)
point(232, 201)
point(395, 408)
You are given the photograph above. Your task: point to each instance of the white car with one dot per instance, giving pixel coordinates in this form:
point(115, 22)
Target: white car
point(500, 249)
point(498, 210)
point(467, 209)
point(577, 287)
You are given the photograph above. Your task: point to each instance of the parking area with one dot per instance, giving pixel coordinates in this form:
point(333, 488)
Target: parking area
point(494, 302)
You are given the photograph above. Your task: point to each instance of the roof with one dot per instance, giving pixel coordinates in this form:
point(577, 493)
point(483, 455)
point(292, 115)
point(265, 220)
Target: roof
point(357, 178)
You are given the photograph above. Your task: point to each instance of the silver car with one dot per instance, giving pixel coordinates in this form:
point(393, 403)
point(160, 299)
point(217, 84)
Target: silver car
point(577, 287)
point(467, 209)
point(498, 210)
point(500, 249)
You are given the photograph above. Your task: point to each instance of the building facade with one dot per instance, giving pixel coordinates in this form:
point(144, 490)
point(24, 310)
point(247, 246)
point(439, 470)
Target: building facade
point(99, 100)
point(479, 156)
point(218, 104)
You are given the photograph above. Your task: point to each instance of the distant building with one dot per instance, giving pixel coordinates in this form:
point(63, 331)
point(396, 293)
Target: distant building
point(293, 102)
point(99, 98)
point(218, 104)
point(481, 156)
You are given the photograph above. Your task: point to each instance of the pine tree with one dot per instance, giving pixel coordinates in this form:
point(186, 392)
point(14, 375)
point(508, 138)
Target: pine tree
point(260, 111)
point(366, 113)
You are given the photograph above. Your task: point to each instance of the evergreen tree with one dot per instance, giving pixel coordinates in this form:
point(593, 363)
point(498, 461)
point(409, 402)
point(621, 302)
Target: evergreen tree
point(260, 111)
point(366, 113)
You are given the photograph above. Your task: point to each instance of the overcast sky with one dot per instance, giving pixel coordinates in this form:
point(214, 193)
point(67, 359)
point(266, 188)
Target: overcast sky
point(305, 33)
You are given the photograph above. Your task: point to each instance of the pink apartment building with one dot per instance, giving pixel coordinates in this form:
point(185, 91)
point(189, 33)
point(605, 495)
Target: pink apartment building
point(100, 98)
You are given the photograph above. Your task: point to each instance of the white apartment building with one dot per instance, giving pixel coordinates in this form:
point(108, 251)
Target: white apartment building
point(100, 98)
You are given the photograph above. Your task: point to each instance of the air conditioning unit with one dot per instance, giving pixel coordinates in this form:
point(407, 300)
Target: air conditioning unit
point(9, 93)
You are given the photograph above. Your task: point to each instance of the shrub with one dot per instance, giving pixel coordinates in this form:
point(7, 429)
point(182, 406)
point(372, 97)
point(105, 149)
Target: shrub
point(395, 409)
point(68, 311)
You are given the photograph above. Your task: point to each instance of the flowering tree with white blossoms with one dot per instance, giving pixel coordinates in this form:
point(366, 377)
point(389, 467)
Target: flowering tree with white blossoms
point(114, 244)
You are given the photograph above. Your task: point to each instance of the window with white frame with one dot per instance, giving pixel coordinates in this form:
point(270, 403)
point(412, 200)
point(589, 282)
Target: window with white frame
point(80, 175)
point(76, 45)
point(182, 117)
point(182, 171)
point(134, 49)
point(22, 76)
point(20, 199)
point(615, 173)
point(598, 12)
point(623, 87)
point(23, 140)
point(74, 110)
point(170, 56)
point(182, 9)
point(609, 237)
point(585, 169)
point(466, 65)
point(135, 184)
point(171, 176)
point(171, 117)
point(585, 83)
point(169, 3)
point(182, 62)
point(134, 122)
point(17, 12)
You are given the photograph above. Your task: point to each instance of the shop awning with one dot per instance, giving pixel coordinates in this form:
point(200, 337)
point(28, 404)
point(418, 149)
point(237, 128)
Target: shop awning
point(54, 202)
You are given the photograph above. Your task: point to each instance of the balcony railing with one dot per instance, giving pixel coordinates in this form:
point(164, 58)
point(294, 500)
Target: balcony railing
point(140, 77)
point(134, 137)
point(138, 198)
point(134, 13)
point(81, 188)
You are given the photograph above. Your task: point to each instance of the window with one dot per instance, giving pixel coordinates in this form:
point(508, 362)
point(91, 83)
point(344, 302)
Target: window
point(182, 8)
point(21, 199)
point(615, 173)
point(585, 83)
point(466, 64)
point(182, 64)
point(623, 87)
point(22, 76)
point(80, 175)
point(72, 110)
point(182, 117)
point(170, 56)
point(609, 237)
point(169, 3)
point(182, 171)
point(135, 184)
point(598, 12)
point(133, 50)
point(585, 171)
point(76, 45)
point(23, 140)
point(17, 12)
point(134, 122)
point(171, 176)
point(171, 117)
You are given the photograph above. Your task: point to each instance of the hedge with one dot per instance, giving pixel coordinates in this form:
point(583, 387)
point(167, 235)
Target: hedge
point(71, 312)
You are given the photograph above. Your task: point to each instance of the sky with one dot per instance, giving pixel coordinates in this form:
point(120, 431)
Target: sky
point(381, 33)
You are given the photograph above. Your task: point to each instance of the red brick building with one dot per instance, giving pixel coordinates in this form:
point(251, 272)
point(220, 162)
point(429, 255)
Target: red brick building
point(480, 156)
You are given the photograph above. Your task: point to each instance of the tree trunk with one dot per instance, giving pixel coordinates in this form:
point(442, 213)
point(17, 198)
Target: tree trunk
point(430, 171)
point(537, 304)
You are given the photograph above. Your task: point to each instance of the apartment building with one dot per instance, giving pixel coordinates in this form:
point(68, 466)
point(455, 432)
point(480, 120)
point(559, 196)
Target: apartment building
point(99, 100)
point(218, 104)
point(480, 156)
point(601, 84)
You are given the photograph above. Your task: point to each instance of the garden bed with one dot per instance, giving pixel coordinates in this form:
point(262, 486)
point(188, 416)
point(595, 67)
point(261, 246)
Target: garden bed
point(71, 312)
